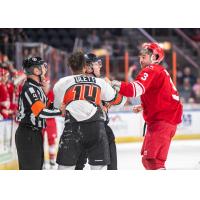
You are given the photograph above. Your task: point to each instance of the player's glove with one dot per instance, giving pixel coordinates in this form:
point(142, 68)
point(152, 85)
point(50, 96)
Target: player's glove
point(116, 85)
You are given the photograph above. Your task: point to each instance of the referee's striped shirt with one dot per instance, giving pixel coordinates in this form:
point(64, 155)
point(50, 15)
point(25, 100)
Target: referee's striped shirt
point(33, 105)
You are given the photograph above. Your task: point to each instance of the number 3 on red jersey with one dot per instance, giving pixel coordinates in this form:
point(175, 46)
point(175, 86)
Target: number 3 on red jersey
point(174, 96)
point(83, 92)
point(145, 76)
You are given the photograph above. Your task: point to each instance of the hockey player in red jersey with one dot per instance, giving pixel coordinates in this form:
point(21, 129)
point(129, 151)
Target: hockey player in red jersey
point(14, 89)
point(162, 109)
point(5, 111)
point(51, 128)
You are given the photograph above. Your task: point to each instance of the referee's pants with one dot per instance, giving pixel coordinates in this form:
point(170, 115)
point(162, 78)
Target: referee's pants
point(29, 143)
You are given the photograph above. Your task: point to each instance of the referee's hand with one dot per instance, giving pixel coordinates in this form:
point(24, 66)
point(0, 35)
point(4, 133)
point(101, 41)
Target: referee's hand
point(63, 109)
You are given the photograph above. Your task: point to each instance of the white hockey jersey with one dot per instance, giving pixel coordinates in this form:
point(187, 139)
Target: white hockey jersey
point(83, 94)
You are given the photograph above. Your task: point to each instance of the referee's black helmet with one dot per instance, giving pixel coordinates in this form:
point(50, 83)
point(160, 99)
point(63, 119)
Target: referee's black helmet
point(31, 62)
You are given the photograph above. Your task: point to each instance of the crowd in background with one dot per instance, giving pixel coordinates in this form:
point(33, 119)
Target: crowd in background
point(188, 86)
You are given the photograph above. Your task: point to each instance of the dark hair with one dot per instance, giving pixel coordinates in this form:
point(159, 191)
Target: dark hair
point(76, 61)
point(149, 52)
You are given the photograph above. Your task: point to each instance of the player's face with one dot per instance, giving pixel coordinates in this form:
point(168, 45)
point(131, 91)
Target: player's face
point(44, 69)
point(97, 68)
point(5, 77)
point(145, 60)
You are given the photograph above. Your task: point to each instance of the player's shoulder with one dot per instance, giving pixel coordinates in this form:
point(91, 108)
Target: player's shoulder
point(63, 80)
point(153, 68)
point(102, 82)
point(26, 85)
point(29, 87)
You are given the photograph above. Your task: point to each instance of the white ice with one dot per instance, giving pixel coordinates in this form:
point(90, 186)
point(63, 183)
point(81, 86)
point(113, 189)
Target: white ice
point(182, 155)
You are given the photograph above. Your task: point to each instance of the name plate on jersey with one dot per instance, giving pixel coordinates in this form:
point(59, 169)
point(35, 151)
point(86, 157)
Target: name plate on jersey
point(85, 79)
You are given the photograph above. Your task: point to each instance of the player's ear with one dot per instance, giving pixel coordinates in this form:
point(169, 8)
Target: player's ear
point(153, 57)
point(36, 71)
point(84, 70)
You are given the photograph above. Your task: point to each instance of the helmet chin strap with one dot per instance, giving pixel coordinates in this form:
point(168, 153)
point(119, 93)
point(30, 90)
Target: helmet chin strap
point(40, 75)
point(152, 61)
point(91, 72)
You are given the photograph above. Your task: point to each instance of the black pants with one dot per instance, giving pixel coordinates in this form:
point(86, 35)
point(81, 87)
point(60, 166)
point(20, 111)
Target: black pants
point(29, 145)
point(81, 137)
point(112, 148)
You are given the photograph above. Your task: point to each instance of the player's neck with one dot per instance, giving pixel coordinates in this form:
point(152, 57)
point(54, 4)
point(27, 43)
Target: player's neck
point(78, 72)
point(35, 78)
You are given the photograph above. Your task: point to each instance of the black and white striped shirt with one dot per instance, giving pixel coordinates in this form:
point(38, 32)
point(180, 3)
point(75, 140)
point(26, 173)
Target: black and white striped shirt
point(33, 105)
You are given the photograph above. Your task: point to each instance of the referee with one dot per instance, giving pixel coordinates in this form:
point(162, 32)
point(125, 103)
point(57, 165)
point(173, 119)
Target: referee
point(33, 110)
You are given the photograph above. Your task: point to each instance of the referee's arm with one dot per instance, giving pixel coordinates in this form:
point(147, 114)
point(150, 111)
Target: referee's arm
point(38, 108)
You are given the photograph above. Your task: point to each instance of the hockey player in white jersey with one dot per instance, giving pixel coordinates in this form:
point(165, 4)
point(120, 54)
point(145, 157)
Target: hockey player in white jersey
point(93, 69)
point(81, 95)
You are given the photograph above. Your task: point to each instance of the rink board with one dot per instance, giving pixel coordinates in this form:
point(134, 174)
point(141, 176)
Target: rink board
point(127, 127)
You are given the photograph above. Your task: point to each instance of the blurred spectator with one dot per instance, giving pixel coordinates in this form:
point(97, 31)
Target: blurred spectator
point(21, 35)
point(196, 35)
point(8, 38)
point(18, 35)
point(14, 87)
point(196, 91)
point(34, 52)
point(179, 77)
point(119, 47)
point(6, 63)
point(107, 35)
point(6, 46)
point(187, 74)
point(186, 91)
point(5, 112)
point(26, 53)
point(196, 86)
point(93, 39)
point(108, 47)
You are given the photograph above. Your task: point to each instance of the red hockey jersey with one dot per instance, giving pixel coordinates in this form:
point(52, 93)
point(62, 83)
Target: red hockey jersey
point(4, 101)
point(159, 96)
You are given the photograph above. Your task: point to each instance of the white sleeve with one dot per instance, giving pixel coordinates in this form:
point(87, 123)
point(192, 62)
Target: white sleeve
point(107, 92)
point(58, 96)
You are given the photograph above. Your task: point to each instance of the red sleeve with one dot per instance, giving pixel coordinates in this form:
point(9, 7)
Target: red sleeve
point(143, 82)
point(126, 89)
point(145, 78)
point(4, 95)
point(50, 95)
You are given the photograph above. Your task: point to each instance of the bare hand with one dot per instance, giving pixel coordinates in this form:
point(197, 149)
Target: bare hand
point(137, 108)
